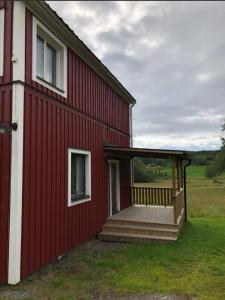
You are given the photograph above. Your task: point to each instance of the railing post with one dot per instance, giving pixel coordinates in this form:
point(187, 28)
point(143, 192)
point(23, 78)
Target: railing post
point(174, 209)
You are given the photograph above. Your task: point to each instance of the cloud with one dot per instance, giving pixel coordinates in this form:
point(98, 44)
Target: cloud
point(169, 55)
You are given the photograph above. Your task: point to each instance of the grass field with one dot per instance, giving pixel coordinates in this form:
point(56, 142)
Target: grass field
point(192, 171)
point(193, 266)
point(205, 197)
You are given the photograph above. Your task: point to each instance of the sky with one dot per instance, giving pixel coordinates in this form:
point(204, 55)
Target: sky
point(171, 58)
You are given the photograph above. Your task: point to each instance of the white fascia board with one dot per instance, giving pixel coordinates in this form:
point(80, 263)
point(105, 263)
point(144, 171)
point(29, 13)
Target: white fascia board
point(2, 23)
point(16, 190)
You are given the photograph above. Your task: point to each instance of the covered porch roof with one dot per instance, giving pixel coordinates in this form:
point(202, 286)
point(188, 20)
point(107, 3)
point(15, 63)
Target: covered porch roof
point(122, 152)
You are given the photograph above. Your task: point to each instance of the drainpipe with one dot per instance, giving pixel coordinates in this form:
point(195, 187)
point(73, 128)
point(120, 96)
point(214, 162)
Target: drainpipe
point(188, 163)
point(131, 142)
point(131, 145)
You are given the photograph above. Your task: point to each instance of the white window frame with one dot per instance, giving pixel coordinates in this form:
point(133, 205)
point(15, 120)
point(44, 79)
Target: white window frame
point(61, 58)
point(2, 27)
point(87, 175)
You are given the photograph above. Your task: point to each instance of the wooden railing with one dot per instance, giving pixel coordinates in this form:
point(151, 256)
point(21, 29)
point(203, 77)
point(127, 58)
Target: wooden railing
point(178, 206)
point(152, 196)
point(159, 197)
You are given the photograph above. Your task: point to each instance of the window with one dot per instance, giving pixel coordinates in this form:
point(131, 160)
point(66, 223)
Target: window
point(49, 59)
point(79, 176)
point(2, 12)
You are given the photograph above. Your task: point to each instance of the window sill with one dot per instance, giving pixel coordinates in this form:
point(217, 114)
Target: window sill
point(87, 199)
point(50, 86)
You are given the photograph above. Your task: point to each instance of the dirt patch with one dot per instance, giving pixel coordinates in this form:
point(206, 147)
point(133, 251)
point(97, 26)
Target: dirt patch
point(15, 294)
point(147, 297)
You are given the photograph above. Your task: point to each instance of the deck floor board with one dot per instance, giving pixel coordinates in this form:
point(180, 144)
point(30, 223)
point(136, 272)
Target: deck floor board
point(151, 214)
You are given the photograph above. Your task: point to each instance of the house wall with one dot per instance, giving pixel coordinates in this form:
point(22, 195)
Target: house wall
point(7, 67)
point(5, 141)
point(91, 115)
point(5, 158)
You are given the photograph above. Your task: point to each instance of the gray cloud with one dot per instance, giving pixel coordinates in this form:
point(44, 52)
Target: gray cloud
point(170, 56)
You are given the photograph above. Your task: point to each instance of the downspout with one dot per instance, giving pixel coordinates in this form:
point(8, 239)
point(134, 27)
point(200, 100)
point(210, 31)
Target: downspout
point(188, 163)
point(131, 145)
point(131, 125)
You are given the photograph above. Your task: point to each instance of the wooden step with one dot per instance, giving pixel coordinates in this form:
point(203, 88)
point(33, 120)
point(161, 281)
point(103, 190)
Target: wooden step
point(142, 230)
point(138, 223)
point(134, 238)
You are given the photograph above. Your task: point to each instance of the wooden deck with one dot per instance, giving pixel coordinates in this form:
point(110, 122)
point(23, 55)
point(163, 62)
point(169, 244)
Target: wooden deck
point(142, 224)
point(150, 214)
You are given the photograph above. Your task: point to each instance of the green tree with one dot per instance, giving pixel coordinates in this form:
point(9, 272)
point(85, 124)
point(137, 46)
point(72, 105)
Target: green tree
point(217, 167)
point(141, 173)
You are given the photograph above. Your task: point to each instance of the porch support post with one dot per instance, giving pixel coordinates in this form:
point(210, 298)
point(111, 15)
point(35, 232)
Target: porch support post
point(181, 173)
point(174, 176)
point(178, 174)
point(174, 189)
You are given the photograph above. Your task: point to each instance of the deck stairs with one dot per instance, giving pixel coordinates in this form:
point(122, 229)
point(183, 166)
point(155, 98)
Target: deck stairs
point(121, 230)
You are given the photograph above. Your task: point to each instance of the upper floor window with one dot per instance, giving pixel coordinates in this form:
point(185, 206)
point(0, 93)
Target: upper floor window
point(79, 176)
point(49, 59)
point(46, 61)
point(2, 13)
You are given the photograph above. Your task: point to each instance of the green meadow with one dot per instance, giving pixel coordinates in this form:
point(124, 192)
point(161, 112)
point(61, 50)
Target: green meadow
point(194, 266)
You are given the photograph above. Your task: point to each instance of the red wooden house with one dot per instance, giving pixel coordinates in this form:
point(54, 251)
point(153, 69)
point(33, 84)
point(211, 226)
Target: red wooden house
point(59, 108)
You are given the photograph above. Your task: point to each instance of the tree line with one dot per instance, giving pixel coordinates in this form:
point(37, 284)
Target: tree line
point(149, 169)
point(217, 166)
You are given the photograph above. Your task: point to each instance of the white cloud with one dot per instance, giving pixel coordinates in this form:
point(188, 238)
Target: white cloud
point(204, 77)
point(169, 55)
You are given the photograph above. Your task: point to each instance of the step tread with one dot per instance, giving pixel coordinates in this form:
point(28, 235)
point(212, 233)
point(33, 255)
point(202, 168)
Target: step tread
point(135, 227)
point(146, 224)
point(128, 235)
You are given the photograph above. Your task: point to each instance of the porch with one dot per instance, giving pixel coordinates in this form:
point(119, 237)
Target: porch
point(157, 213)
point(159, 223)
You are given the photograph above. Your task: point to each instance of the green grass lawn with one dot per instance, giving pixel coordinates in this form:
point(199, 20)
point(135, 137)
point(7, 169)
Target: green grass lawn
point(192, 171)
point(193, 266)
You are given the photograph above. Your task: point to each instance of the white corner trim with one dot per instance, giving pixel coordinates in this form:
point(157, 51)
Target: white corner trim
point(61, 60)
point(87, 177)
point(116, 162)
point(16, 190)
point(2, 23)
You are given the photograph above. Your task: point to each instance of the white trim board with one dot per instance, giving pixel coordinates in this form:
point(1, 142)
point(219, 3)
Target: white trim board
point(116, 162)
point(2, 26)
point(16, 190)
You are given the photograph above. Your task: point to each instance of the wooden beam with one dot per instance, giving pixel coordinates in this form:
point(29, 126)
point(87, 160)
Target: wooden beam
point(174, 175)
point(181, 172)
point(178, 174)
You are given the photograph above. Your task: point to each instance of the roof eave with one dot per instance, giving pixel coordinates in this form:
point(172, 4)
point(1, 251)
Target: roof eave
point(143, 152)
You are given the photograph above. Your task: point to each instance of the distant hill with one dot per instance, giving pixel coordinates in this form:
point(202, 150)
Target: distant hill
point(202, 158)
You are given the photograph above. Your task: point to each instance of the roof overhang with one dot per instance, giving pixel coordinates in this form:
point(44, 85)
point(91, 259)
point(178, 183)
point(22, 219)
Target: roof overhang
point(122, 152)
point(56, 24)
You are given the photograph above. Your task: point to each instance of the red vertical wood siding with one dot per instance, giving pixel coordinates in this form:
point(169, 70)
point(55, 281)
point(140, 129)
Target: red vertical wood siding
point(87, 92)
point(5, 158)
point(125, 184)
point(7, 67)
point(91, 115)
point(5, 140)
point(50, 228)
